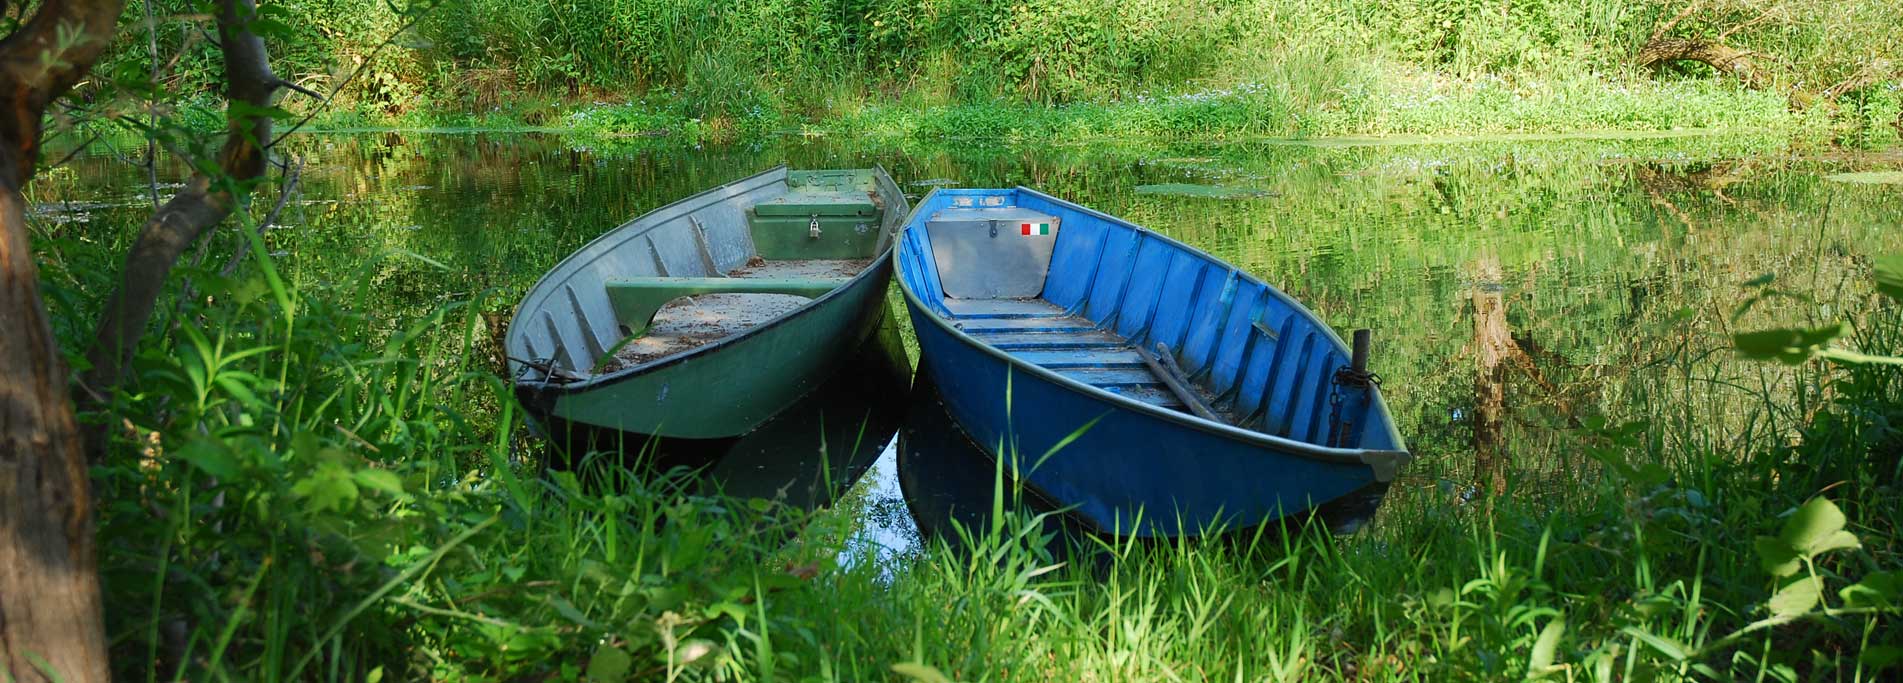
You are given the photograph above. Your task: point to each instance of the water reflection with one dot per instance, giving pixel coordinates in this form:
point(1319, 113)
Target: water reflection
point(805, 457)
point(1612, 266)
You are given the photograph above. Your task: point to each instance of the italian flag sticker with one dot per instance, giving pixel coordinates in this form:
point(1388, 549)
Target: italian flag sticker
point(1034, 228)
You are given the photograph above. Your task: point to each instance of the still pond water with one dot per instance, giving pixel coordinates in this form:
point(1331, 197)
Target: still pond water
point(1517, 289)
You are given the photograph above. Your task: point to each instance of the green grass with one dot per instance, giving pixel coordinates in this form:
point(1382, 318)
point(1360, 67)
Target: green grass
point(1040, 70)
point(322, 501)
point(1241, 113)
point(320, 478)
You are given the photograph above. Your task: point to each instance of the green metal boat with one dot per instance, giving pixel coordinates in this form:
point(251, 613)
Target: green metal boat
point(706, 317)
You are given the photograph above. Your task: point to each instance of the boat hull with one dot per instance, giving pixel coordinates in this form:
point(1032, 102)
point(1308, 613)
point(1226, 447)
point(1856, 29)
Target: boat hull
point(1124, 472)
point(730, 387)
point(1145, 385)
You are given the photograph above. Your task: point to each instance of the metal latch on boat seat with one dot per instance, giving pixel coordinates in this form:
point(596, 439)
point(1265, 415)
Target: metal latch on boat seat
point(636, 300)
point(812, 228)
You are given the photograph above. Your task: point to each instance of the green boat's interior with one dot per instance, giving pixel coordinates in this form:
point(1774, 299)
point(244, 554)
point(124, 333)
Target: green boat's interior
point(808, 241)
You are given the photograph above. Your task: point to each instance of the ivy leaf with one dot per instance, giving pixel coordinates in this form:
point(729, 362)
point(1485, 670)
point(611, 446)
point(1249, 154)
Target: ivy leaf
point(1544, 648)
point(1796, 597)
point(1789, 345)
point(329, 487)
point(1889, 274)
point(609, 665)
point(1878, 590)
point(379, 480)
point(1816, 527)
point(1776, 556)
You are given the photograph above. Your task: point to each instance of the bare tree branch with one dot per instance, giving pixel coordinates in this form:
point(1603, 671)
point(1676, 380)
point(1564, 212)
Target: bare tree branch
point(205, 201)
point(292, 173)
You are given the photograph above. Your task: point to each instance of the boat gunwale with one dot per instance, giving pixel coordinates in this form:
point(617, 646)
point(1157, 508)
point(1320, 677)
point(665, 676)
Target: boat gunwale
point(1386, 463)
point(888, 237)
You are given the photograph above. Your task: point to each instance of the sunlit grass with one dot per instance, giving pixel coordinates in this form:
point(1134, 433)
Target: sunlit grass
point(321, 478)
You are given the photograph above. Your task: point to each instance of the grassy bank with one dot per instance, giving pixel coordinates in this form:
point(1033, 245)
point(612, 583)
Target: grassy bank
point(318, 500)
point(320, 477)
point(1245, 112)
point(1051, 69)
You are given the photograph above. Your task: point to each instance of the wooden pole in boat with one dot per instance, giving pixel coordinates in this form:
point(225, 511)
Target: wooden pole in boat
point(1364, 338)
point(1163, 365)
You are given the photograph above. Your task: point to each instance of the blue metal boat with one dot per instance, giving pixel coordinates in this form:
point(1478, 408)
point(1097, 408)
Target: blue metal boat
point(1149, 387)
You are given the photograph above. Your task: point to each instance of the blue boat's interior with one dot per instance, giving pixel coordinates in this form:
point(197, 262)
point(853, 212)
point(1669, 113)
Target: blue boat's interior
point(1114, 294)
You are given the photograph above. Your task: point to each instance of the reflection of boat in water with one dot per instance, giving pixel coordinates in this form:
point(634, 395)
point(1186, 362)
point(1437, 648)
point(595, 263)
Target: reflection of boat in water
point(947, 480)
point(1150, 387)
point(804, 457)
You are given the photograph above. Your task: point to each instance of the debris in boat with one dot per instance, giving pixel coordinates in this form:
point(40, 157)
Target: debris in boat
point(694, 321)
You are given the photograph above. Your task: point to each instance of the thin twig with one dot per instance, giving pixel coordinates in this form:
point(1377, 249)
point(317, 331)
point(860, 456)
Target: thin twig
point(151, 144)
point(292, 173)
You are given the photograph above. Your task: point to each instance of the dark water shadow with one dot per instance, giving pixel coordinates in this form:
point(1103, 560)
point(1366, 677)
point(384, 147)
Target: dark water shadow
point(805, 457)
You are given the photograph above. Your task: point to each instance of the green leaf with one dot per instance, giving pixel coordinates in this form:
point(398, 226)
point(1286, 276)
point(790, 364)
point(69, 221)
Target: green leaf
point(1796, 597)
point(1789, 345)
point(1889, 274)
point(231, 384)
point(380, 480)
point(1879, 657)
point(212, 456)
point(328, 488)
point(1878, 590)
point(920, 673)
point(1545, 647)
point(1665, 646)
point(272, 28)
point(609, 665)
point(1814, 527)
point(1838, 540)
point(1776, 556)
point(570, 612)
point(375, 676)
point(305, 444)
point(1761, 280)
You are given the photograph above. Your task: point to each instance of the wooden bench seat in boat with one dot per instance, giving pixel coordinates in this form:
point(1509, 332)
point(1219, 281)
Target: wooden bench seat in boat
point(635, 300)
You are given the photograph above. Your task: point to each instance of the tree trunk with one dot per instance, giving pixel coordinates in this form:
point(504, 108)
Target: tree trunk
point(1493, 345)
point(50, 616)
